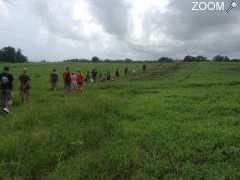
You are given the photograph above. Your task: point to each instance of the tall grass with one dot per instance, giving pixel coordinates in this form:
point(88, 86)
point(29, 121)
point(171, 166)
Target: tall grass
point(178, 121)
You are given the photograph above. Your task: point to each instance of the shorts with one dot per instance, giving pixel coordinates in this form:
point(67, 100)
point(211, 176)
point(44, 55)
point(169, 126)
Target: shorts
point(74, 85)
point(6, 97)
point(54, 85)
point(24, 92)
point(67, 85)
point(80, 85)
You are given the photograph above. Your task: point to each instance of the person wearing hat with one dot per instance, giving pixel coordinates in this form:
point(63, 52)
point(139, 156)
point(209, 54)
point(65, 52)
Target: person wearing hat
point(24, 86)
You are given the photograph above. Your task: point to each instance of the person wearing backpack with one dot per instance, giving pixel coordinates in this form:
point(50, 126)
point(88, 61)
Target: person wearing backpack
point(54, 80)
point(6, 86)
point(24, 86)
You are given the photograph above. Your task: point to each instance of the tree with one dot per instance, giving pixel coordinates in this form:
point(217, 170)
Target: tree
point(165, 60)
point(235, 60)
point(201, 59)
point(107, 60)
point(195, 59)
point(20, 57)
point(128, 60)
point(95, 59)
point(189, 59)
point(220, 58)
point(226, 59)
point(9, 54)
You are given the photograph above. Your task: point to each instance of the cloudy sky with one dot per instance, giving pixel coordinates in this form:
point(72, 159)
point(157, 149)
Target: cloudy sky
point(138, 29)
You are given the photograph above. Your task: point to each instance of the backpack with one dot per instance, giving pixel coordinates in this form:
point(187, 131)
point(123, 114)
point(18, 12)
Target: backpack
point(54, 77)
point(4, 80)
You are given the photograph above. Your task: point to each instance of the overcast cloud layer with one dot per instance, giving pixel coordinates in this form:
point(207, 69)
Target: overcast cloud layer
point(138, 29)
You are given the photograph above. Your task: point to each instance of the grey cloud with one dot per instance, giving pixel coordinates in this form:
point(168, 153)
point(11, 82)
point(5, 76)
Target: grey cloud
point(184, 24)
point(112, 14)
point(187, 32)
point(57, 22)
point(45, 29)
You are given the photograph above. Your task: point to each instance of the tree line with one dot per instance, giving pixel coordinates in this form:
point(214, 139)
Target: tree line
point(217, 58)
point(11, 55)
point(96, 59)
point(187, 58)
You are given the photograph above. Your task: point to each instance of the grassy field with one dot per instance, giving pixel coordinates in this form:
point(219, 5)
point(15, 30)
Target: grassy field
point(178, 121)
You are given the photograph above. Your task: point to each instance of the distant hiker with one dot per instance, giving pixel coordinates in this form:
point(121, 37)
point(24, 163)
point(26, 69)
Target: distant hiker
point(6, 86)
point(101, 77)
point(126, 71)
point(109, 76)
point(80, 81)
point(117, 74)
point(88, 77)
point(24, 86)
point(67, 79)
point(54, 80)
point(94, 75)
point(105, 76)
point(144, 68)
point(74, 83)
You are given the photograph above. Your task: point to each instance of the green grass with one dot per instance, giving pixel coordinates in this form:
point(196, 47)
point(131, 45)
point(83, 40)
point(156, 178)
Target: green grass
point(178, 121)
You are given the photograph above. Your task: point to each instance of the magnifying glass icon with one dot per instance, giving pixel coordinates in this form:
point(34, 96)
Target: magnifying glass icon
point(234, 4)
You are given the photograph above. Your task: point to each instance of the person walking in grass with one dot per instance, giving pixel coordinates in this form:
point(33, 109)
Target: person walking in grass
point(101, 77)
point(54, 80)
point(67, 80)
point(74, 83)
point(94, 75)
point(88, 78)
point(109, 76)
point(144, 68)
point(6, 86)
point(117, 74)
point(24, 86)
point(80, 81)
point(126, 71)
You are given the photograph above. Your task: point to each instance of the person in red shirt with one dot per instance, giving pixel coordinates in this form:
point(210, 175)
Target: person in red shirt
point(67, 79)
point(80, 80)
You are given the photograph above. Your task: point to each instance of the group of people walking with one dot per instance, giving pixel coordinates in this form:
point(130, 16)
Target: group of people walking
point(73, 81)
point(6, 86)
